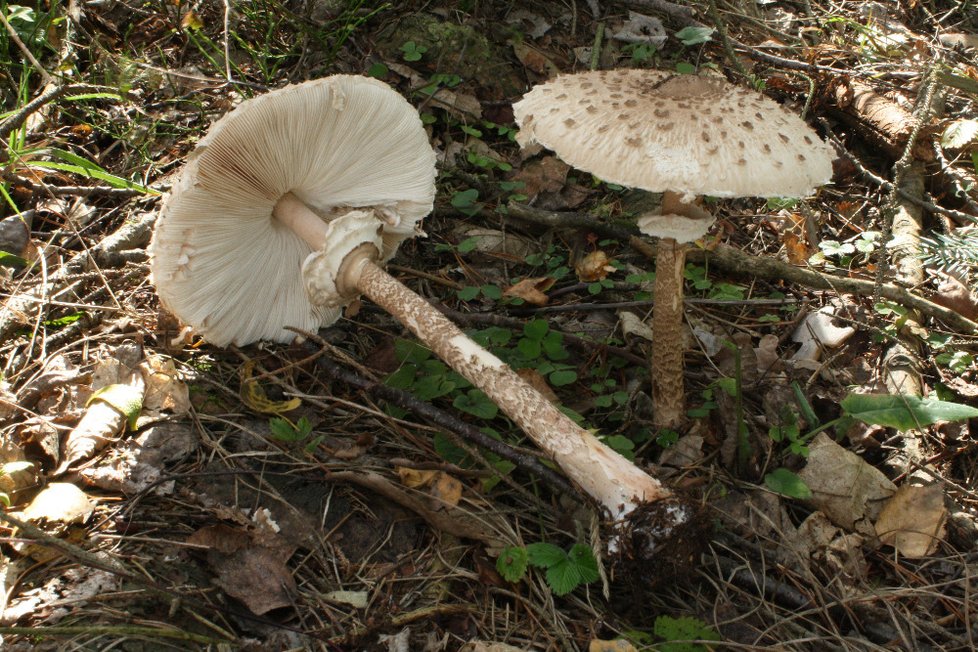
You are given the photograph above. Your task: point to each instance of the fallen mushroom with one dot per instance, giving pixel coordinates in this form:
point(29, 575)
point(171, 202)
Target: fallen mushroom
point(683, 136)
point(294, 198)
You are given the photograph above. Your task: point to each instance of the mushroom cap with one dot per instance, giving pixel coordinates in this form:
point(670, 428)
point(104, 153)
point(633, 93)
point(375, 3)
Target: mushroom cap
point(659, 131)
point(223, 264)
point(680, 228)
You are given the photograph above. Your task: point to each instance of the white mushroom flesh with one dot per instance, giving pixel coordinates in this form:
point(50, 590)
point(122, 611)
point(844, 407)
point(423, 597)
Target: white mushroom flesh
point(223, 264)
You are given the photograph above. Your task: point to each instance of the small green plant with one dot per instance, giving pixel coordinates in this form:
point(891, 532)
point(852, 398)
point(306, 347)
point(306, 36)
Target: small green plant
point(697, 275)
point(703, 409)
point(467, 202)
point(554, 262)
point(677, 631)
point(565, 570)
point(690, 36)
point(639, 53)
point(898, 411)
point(413, 51)
point(286, 431)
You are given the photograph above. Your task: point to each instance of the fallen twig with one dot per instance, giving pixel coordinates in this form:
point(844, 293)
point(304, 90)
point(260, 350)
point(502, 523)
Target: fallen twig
point(733, 260)
point(443, 419)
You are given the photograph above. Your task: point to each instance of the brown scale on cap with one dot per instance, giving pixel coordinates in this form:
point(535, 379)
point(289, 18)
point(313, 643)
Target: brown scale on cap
point(699, 135)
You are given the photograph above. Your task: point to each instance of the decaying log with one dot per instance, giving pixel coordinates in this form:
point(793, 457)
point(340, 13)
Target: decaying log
point(881, 121)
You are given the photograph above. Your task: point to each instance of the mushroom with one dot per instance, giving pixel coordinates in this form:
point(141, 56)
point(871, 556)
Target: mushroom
point(283, 214)
point(683, 136)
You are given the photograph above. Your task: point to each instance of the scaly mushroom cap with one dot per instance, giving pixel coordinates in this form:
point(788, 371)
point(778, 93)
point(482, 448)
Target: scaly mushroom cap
point(223, 264)
point(659, 131)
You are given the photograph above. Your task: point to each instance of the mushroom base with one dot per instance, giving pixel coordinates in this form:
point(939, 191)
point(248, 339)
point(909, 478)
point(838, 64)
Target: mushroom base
point(659, 542)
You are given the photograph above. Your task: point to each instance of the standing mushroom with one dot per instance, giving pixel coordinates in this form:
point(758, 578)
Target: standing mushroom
point(281, 216)
point(683, 136)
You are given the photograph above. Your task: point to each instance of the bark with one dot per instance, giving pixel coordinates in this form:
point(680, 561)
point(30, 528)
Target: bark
point(878, 119)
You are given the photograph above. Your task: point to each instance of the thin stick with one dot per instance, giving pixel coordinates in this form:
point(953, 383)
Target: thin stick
point(45, 75)
point(443, 419)
point(733, 260)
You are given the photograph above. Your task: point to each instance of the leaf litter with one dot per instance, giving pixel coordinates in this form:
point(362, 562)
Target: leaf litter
point(333, 549)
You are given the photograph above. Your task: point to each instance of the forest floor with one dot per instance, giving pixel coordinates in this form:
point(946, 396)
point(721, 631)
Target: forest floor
point(328, 494)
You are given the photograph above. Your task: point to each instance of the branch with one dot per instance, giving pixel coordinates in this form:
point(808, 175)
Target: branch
point(735, 261)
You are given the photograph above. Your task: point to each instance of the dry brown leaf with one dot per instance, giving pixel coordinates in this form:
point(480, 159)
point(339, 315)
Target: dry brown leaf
point(798, 252)
point(104, 420)
point(593, 267)
point(956, 296)
point(164, 389)
point(534, 59)
point(618, 645)
point(531, 290)
point(845, 487)
point(445, 490)
point(548, 174)
point(912, 520)
point(251, 571)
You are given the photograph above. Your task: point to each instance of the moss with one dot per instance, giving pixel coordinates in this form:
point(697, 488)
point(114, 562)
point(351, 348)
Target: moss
point(452, 48)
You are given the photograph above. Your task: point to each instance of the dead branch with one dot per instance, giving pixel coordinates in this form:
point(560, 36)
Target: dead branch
point(445, 420)
point(735, 261)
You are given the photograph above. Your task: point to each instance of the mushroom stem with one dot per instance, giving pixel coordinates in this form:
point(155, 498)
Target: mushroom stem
point(609, 478)
point(606, 476)
point(293, 213)
point(668, 394)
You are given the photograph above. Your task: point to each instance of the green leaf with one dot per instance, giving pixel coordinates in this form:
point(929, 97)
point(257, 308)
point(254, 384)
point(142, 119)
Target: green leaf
point(582, 557)
point(545, 555)
point(410, 351)
point(476, 403)
point(82, 166)
point(447, 450)
point(465, 198)
point(511, 563)
point(528, 348)
point(694, 35)
point(403, 378)
point(468, 293)
point(683, 629)
point(563, 377)
point(491, 292)
point(904, 412)
point(93, 96)
point(125, 399)
point(378, 70)
point(787, 483)
point(536, 329)
point(622, 445)
point(431, 387)
point(12, 261)
point(563, 577)
point(468, 245)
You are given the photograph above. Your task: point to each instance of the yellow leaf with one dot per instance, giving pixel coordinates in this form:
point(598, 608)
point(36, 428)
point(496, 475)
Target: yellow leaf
point(191, 21)
point(255, 398)
point(415, 478)
point(594, 267)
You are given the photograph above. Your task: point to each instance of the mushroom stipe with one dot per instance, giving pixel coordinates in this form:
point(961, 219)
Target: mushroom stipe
point(285, 212)
point(684, 136)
